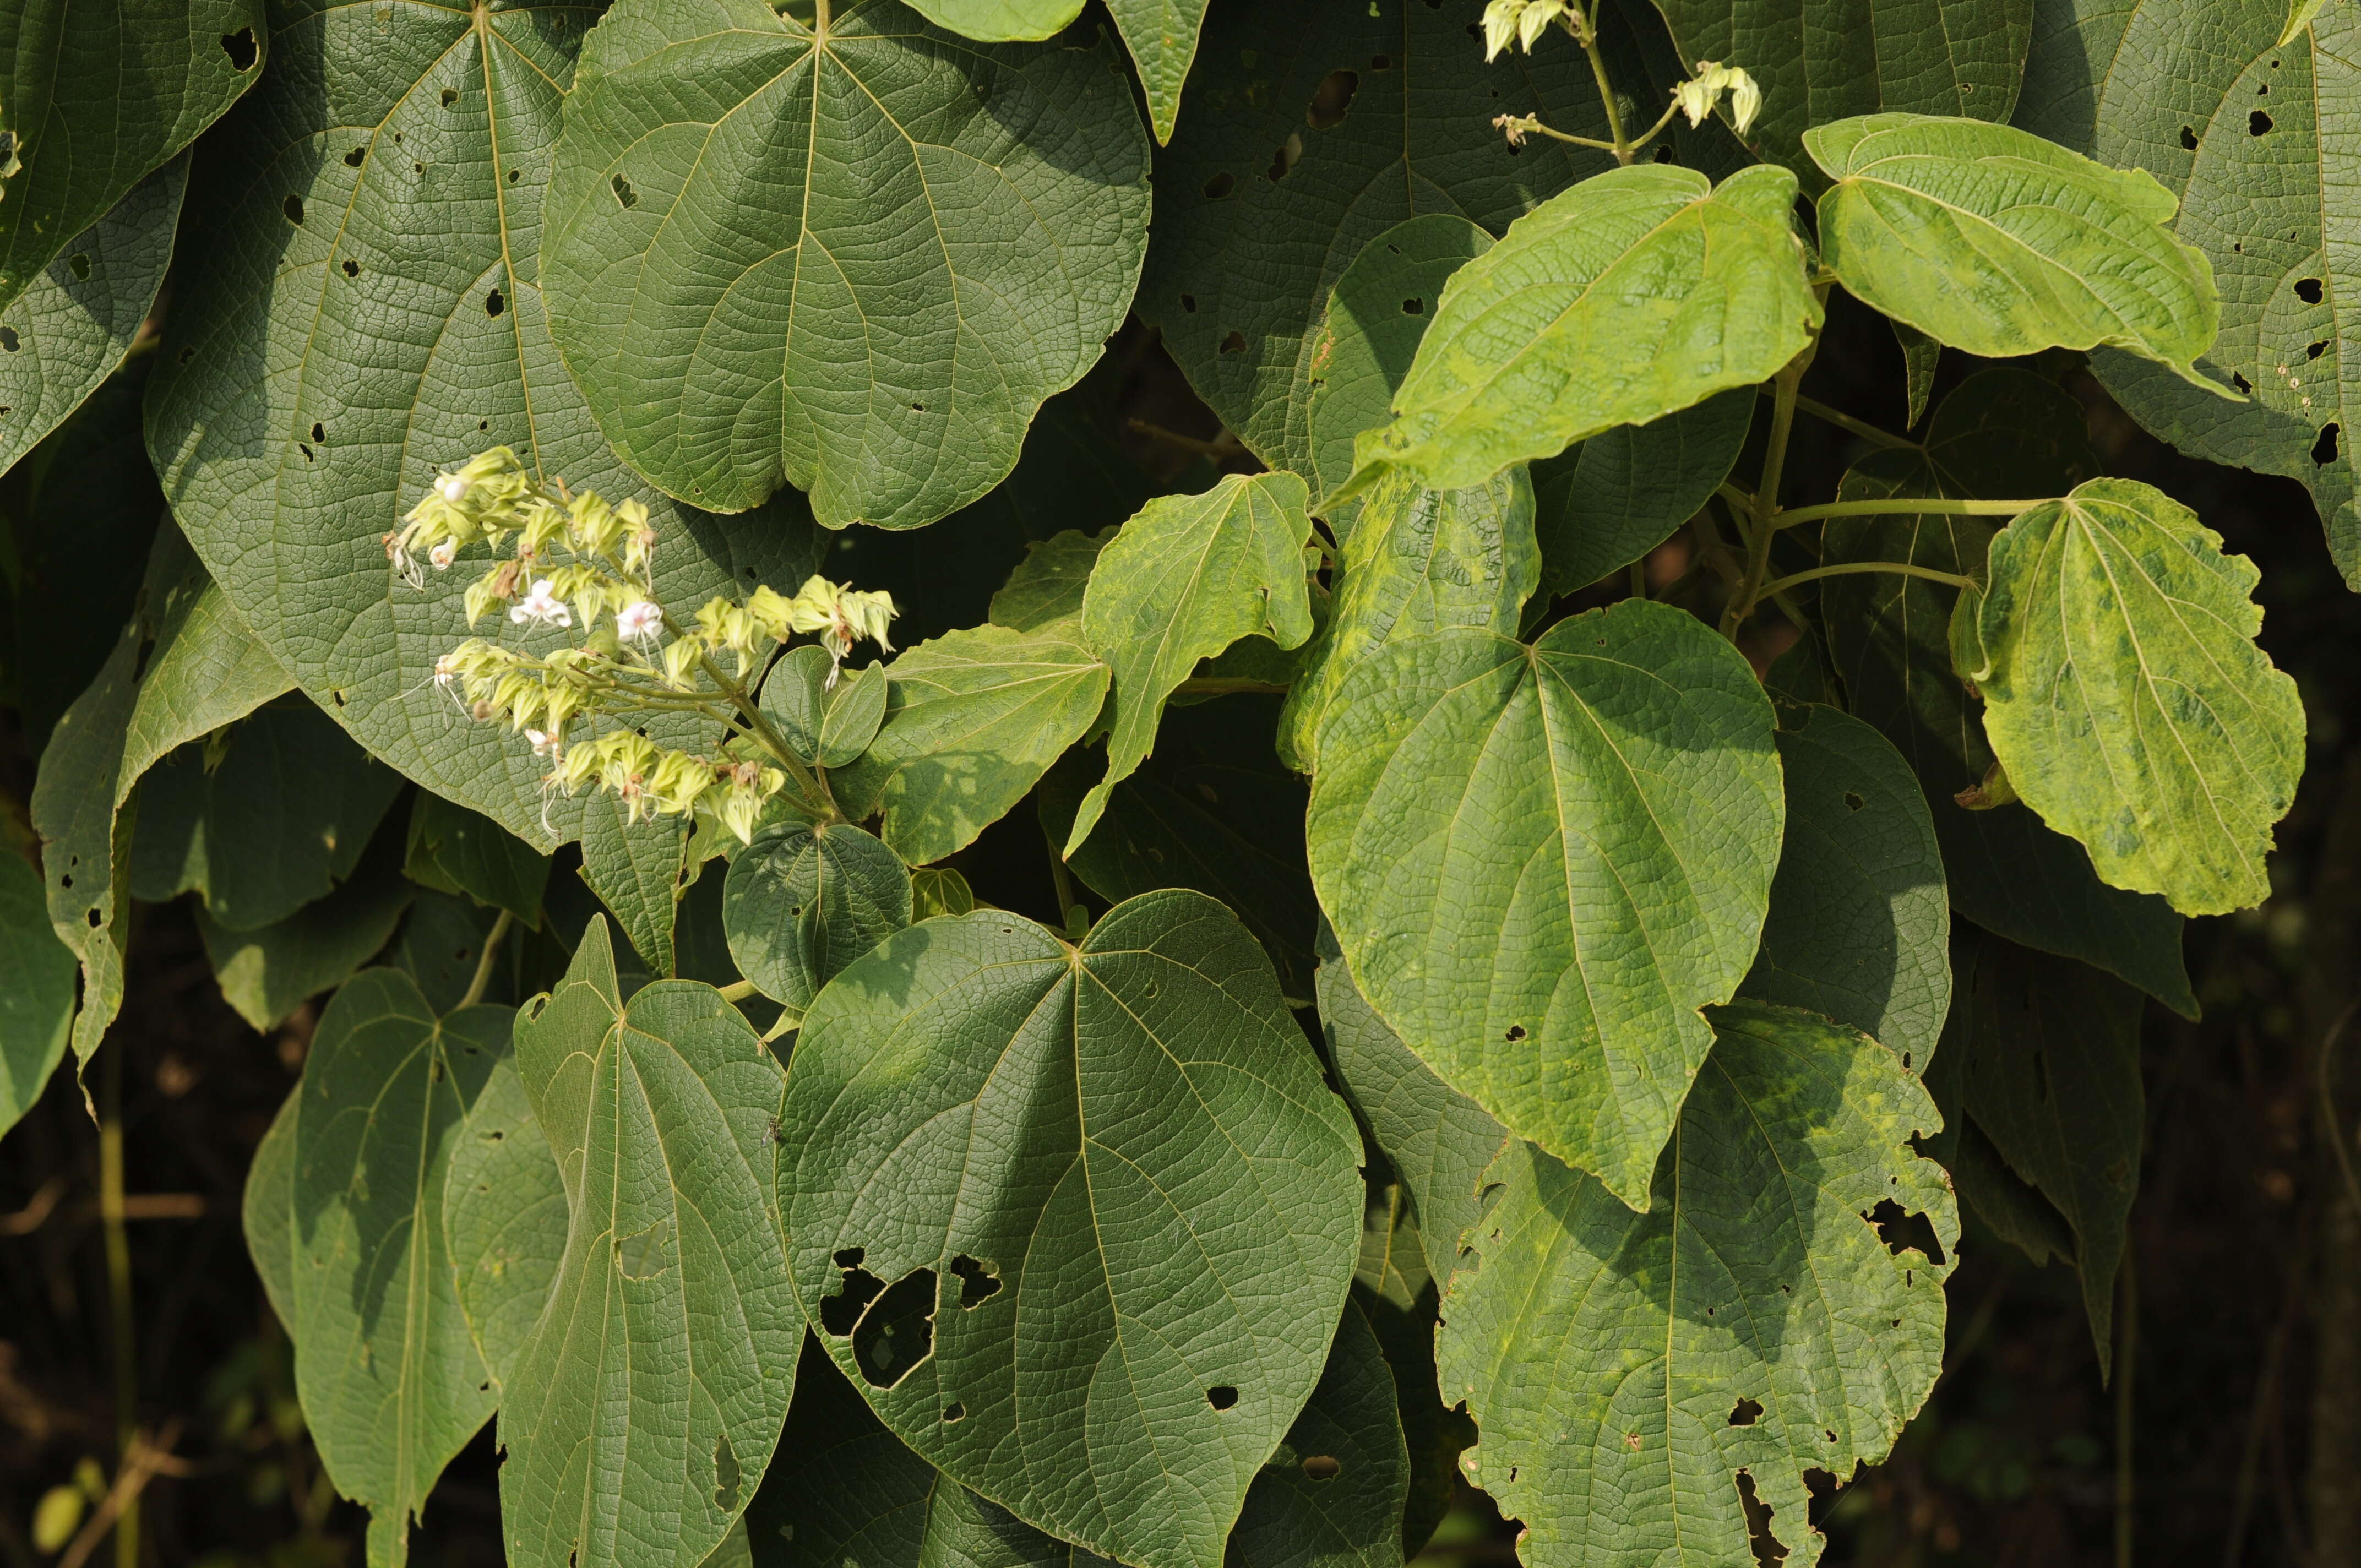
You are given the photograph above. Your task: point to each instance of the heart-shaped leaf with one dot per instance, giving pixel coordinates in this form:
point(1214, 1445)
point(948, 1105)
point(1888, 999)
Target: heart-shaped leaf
point(1541, 861)
point(715, 254)
point(1638, 293)
point(2126, 698)
point(1160, 34)
point(1611, 500)
point(1130, 1139)
point(803, 902)
point(1693, 1360)
point(503, 1219)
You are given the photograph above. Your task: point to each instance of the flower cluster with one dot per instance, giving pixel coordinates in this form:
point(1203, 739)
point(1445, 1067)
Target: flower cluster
point(1697, 97)
point(583, 566)
point(1523, 20)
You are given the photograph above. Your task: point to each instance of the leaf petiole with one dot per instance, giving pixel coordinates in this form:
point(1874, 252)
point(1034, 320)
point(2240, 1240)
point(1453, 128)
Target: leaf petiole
point(1845, 422)
point(1848, 568)
point(1903, 506)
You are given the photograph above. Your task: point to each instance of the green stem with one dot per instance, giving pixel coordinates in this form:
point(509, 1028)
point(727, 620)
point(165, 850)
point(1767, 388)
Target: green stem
point(1845, 422)
point(1225, 685)
point(737, 990)
point(482, 978)
point(1756, 523)
point(815, 791)
point(1849, 569)
point(1908, 506)
point(1589, 37)
point(1069, 904)
point(2126, 1375)
point(118, 1291)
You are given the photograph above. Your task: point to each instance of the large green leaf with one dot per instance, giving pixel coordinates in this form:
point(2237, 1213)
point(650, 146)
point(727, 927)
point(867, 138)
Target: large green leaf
point(94, 98)
point(973, 215)
point(1416, 560)
point(1637, 293)
point(37, 991)
point(282, 818)
point(1048, 585)
point(2046, 1054)
point(1823, 59)
point(1619, 494)
point(391, 1385)
point(2002, 433)
point(1990, 239)
point(1261, 207)
point(316, 374)
point(74, 324)
point(2250, 133)
point(267, 1207)
point(636, 868)
point(205, 671)
point(1437, 1139)
point(1859, 929)
point(803, 902)
point(454, 849)
point(1214, 810)
point(1160, 34)
point(972, 721)
point(503, 1219)
point(661, 1115)
point(267, 971)
point(1541, 861)
point(1132, 1140)
point(2124, 695)
point(1645, 1381)
point(1184, 579)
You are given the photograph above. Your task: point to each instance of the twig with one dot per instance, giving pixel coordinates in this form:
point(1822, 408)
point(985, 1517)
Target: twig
point(2126, 1377)
point(2328, 1045)
point(483, 977)
point(118, 1295)
point(142, 1463)
point(33, 1215)
point(1223, 446)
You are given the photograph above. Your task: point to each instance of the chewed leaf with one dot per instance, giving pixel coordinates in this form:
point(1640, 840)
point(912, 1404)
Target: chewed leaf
point(2127, 699)
point(1989, 240)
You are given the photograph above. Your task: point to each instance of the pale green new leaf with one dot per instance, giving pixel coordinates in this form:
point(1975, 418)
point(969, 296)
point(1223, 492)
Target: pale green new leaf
point(938, 890)
point(1260, 206)
point(1819, 61)
point(636, 868)
point(1131, 1140)
point(1989, 240)
point(1859, 929)
point(1541, 861)
point(267, 1207)
point(1047, 585)
point(74, 323)
point(359, 305)
point(2045, 1057)
point(1611, 500)
point(854, 265)
point(2002, 433)
point(661, 1115)
point(392, 1387)
point(1639, 1379)
point(266, 972)
point(973, 720)
point(1438, 1140)
point(1416, 560)
point(1637, 293)
point(454, 849)
point(802, 901)
point(503, 1219)
point(37, 991)
point(2251, 130)
point(94, 98)
point(1185, 578)
point(2126, 698)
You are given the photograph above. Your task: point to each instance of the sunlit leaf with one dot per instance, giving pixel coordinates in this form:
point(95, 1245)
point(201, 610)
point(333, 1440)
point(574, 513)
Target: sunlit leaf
point(1047, 585)
point(804, 901)
point(503, 1219)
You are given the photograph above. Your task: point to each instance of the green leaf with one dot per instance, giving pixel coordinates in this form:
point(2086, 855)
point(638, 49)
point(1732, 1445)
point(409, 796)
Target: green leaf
point(938, 890)
point(1990, 239)
point(803, 902)
point(972, 215)
point(2246, 128)
point(1242, 262)
point(1212, 810)
point(1134, 1133)
point(314, 376)
point(503, 1219)
point(1823, 59)
point(37, 991)
point(1047, 585)
point(1541, 861)
point(98, 97)
point(266, 972)
point(636, 868)
point(856, 708)
point(74, 323)
point(391, 1385)
point(267, 1210)
point(1000, 21)
point(442, 945)
point(454, 849)
point(1187, 578)
point(2004, 432)
point(282, 819)
point(824, 715)
point(1416, 560)
point(2046, 1053)
point(1610, 500)
point(1859, 929)
point(1639, 292)
point(661, 1115)
point(1333, 1492)
point(1920, 355)
point(2128, 700)
point(1160, 34)
point(1402, 1315)
point(973, 720)
point(1691, 1362)
point(1437, 1139)
point(206, 670)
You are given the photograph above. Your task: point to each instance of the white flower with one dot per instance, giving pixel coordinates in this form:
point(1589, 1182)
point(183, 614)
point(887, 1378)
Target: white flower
point(540, 607)
point(545, 744)
point(642, 620)
point(443, 554)
point(453, 488)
